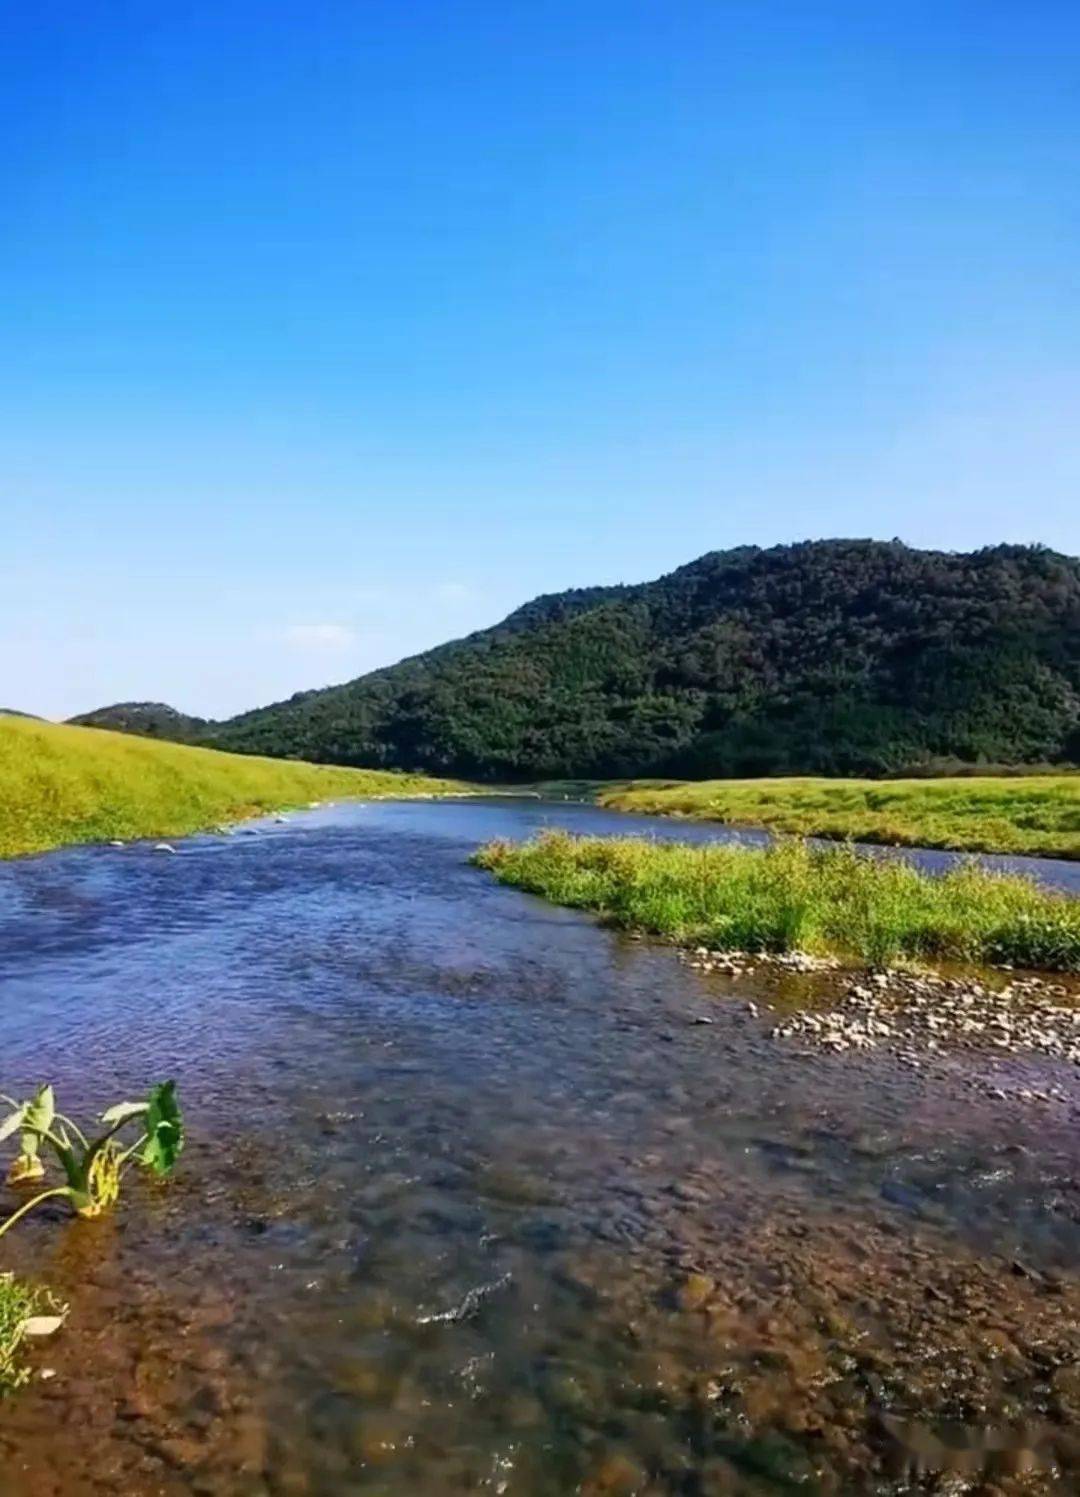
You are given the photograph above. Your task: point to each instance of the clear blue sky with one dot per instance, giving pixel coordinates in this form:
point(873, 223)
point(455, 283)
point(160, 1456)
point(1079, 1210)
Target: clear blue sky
point(332, 330)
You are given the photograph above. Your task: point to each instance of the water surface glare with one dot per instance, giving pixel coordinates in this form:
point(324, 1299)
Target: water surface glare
point(471, 1203)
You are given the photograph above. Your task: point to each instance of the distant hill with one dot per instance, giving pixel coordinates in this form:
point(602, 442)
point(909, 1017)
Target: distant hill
point(14, 712)
point(148, 719)
point(827, 657)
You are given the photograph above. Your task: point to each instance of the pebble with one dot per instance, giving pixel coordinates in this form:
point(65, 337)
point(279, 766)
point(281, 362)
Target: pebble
point(743, 963)
point(913, 1014)
point(616, 1475)
point(695, 1290)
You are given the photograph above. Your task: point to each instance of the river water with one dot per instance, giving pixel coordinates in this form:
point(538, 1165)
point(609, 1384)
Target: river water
point(471, 1203)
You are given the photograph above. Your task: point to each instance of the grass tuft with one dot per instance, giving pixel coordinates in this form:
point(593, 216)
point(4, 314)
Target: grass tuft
point(18, 1302)
point(61, 784)
point(792, 896)
point(1037, 815)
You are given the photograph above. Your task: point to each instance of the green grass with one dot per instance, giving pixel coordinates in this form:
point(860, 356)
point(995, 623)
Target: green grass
point(791, 896)
point(1034, 814)
point(61, 784)
point(18, 1302)
point(577, 790)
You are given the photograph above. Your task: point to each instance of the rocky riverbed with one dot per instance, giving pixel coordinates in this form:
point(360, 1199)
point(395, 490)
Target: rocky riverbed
point(920, 1017)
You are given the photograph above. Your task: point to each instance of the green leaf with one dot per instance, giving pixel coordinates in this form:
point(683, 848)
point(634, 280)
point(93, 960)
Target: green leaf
point(39, 1112)
point(13, 1122)
point(164, 1129)
point(38, 1118)
point(124, 1110)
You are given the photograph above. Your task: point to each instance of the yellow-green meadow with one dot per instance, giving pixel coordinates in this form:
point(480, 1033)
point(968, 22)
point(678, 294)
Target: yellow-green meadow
point(1036, 815)
point(61, 784)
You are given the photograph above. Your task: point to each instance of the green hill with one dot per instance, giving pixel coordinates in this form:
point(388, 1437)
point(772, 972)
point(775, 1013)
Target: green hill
point(61, 784)
point(148, 719)
point(830, 657)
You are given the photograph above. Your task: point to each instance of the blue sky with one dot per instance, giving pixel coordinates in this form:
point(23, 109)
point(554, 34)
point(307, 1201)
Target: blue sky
point(333, 330)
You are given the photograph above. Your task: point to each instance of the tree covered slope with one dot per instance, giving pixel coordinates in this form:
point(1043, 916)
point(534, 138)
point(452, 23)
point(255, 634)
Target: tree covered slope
point(830, 657)
point(147, 719)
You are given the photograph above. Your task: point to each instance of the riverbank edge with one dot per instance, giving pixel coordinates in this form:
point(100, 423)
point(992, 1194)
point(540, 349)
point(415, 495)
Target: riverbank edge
point(227, 823)
point(907, 816)
point(64, 786)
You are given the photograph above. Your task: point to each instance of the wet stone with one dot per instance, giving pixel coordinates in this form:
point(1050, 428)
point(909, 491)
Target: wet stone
point(1065, 1384)
point(616, 1474)
point(695, 1291)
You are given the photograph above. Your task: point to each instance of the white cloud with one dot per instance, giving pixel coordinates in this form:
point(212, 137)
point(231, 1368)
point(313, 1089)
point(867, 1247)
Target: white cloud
point(319, 636)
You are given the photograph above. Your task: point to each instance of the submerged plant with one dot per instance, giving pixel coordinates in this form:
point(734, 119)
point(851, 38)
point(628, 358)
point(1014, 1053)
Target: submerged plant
point(93, 1168)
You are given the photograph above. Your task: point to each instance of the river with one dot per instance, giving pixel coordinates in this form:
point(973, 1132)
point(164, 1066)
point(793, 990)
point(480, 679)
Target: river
point(471, 1202)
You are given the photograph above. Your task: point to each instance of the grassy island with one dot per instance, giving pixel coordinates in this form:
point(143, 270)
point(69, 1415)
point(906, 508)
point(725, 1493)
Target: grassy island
point(791, 896)
point(62, 784)
point(1037, 815)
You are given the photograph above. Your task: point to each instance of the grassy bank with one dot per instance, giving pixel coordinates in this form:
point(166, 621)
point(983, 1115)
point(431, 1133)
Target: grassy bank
point(1034, 814)
point(790, 896)
point(62, 784)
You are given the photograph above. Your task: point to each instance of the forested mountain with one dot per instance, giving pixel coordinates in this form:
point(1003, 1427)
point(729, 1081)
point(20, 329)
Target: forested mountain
point(830, 657)
point(148, 719)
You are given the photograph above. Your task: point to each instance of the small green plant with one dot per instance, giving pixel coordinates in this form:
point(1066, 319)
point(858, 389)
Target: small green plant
point(25, 1310)
point(93, 1168)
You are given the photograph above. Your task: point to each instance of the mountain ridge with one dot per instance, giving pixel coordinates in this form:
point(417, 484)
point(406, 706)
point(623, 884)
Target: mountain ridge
point(828, 657)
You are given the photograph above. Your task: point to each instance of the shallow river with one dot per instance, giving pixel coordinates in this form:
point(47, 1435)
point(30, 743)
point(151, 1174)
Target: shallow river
point(471, 1203)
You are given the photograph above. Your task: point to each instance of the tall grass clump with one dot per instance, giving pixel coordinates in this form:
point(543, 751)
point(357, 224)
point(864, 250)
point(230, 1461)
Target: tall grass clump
point(793, 896)
point(61, 784)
